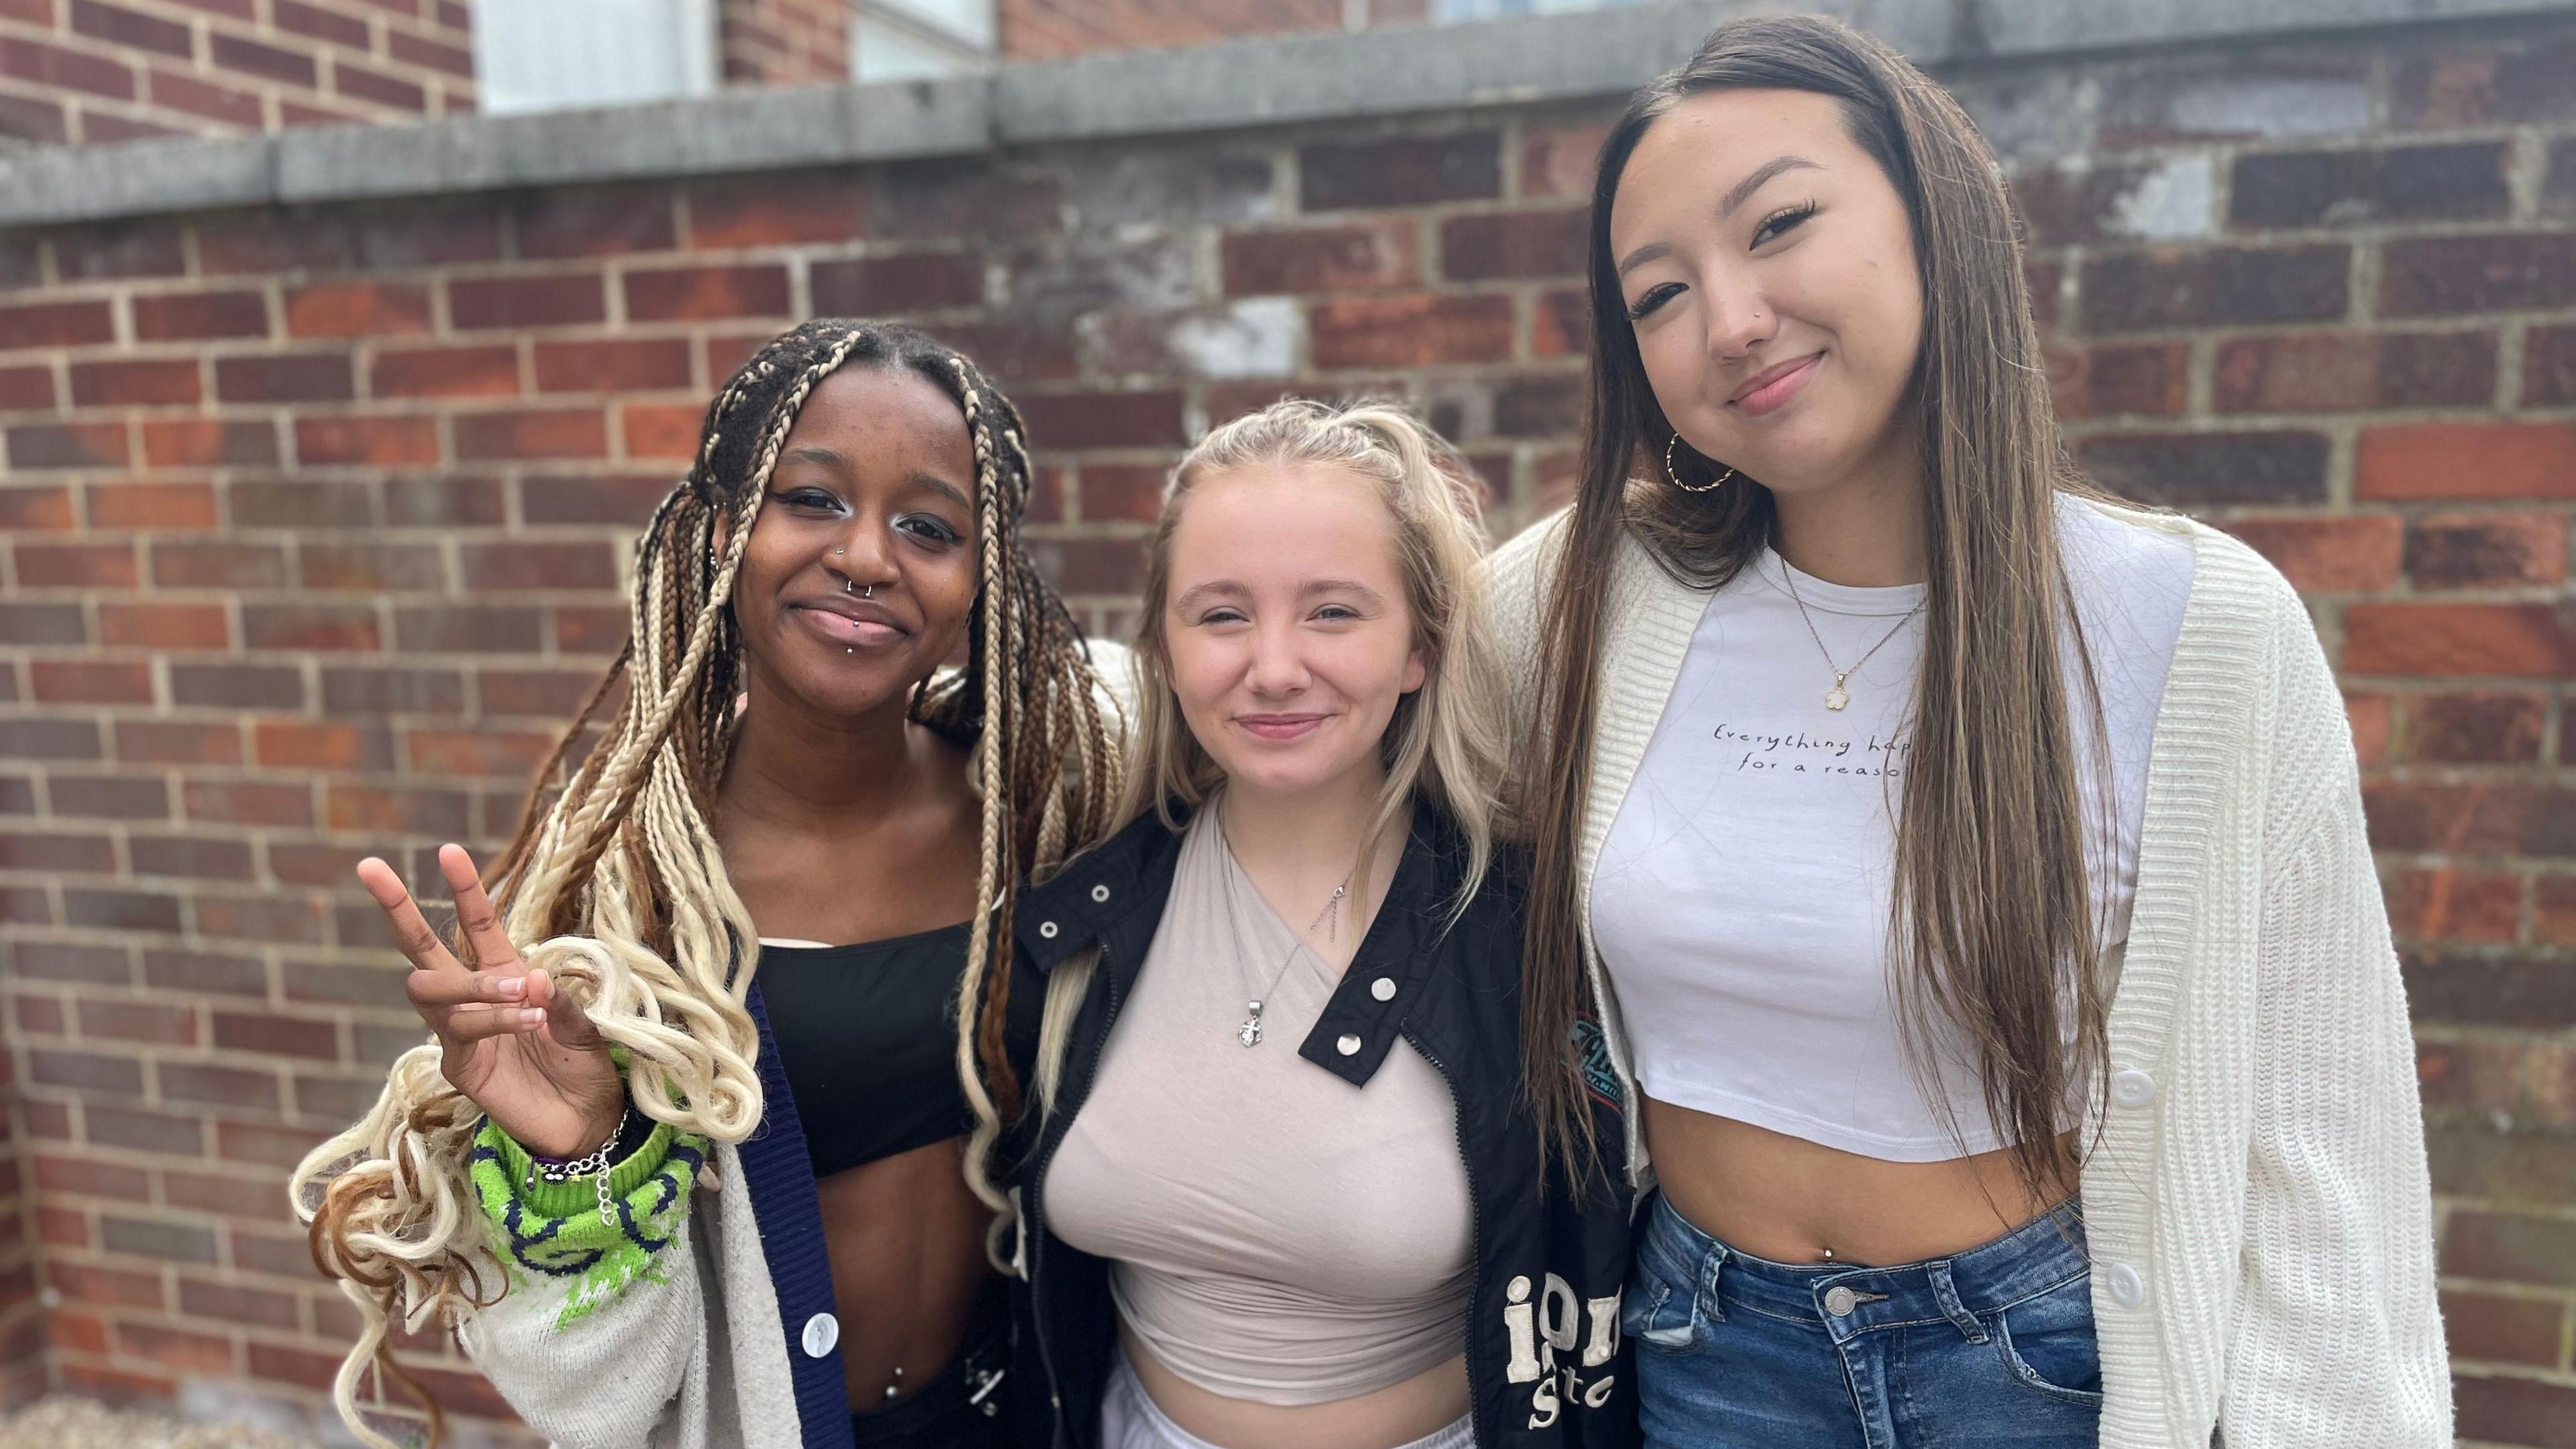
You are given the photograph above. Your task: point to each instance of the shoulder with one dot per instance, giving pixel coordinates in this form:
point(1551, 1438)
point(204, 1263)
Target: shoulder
point(1527, 555)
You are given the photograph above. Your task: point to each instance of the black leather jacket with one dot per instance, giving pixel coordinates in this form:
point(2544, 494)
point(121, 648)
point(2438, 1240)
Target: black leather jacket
point(1545, 1365)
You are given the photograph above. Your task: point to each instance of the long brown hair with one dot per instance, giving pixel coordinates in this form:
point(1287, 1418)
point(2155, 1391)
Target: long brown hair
point(613, 881)
point(1994, 929)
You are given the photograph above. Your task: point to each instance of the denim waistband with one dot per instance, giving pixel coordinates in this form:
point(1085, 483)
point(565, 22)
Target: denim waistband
point(2043, 1254)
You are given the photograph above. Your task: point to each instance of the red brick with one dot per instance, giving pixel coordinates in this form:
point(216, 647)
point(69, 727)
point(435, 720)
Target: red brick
point(1515, 244)
point(375, 810)
point(105, 797)
point(531, 433)
point(540, 565)
point(350, 79)
point(899, 285)
point(78, 1331)
point(381, 441)
point(150, 505)
point(58, 68)
point(2470, 550)
point(172, 742)
point(1409, 331)
point(550, 300)
point(1399, 171)
point(246, 804)
point(660, 430)
point(1324, 258)
point(231, 1304)
point(122, 910)
point(2183, 469)
point(215, 1086)
point(2549, 365)
point(41, 624)
point(2503, 272)
point(2456, 905)
point(217, 566)
point(29, 509)
point(76, 566)
point(768, 213)
point(2485, 728)
point(40, 122)
point(429, 55)
point(590, 222)
point(311, 626)
point(56, 324)
point(371, 567)
point(2553, 910)
point(298, 503)
point(319, 745)
point(2341, 372)
point(467, 629)
point(2460, 639)
point(232, 52)
point(444, 501)
point(209, 443)
point(1561, 161)
point(625, 502)
point(2169, 288)
point(2350, 188)
point(699, 293)
point(100, 1284)
point(139, 1021)
point(618, 365)
point(67, 445)
point(52, 854)
point(320, 24)
point(164, 626)
point(1103, 419)
point(2492, 1328)
point(2448, 88)
point(285, 377)
point(476, 753)
point(88, 681)
point(97, 126)
point(237, 686)
point(2467, 460)
point(2108, 381)
point(142, 383)
point(220, 103)
point(2510, 1247)
point(26, 389)
point(446, 372)
point(356, 309)
point(128, 28)
point(189, 316)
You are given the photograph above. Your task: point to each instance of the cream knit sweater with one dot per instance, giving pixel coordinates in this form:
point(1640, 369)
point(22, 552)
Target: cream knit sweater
point(2258, 1209)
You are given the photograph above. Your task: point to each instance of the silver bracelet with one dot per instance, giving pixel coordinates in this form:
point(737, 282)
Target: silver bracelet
point(593, 1164)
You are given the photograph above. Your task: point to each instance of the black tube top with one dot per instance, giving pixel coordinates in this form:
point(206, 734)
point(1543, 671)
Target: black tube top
point(866, 1037)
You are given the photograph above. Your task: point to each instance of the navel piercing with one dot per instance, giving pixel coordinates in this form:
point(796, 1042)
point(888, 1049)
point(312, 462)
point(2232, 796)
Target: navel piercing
point(1676, 478)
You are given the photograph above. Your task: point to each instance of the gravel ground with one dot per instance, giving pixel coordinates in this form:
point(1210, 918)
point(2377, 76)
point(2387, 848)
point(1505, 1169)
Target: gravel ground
point(63, 1422)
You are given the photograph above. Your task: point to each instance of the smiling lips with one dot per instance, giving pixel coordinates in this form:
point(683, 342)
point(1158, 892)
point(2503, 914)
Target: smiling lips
point(1770, 390)
point(1280, 727)
point(851, 623)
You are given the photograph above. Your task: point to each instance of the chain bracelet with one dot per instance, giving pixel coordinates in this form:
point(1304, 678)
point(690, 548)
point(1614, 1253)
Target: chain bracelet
point(593, 1164)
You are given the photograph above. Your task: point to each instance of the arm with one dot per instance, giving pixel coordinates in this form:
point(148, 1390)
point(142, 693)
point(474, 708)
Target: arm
point(604, 1325)
point(2337, 1338)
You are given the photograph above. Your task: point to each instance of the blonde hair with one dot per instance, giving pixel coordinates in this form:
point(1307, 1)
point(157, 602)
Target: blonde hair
point(617, 879)
point(1445, 744)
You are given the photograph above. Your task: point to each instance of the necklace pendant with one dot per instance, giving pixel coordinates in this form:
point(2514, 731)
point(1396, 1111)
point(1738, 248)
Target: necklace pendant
point(1250, 1032)
point(1835, 698)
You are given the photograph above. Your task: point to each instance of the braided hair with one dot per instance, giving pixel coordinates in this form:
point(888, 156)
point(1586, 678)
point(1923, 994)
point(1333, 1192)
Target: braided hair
point(614, 885)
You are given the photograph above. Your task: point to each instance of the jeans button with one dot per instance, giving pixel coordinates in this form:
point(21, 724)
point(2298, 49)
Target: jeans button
point(1839, 1300)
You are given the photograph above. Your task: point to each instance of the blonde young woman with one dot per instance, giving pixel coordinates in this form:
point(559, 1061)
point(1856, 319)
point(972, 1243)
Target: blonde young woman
point(684, 1159)
point(1971, 871)
point(1278, 1189)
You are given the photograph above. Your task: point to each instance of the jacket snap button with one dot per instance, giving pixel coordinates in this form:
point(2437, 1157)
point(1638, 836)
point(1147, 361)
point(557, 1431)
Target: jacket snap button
point(1840, 1300)
point(1046, 929)
point(1383, 988)
point(1100, 893)
point(2128, 1289)
point(1348, 1046)
point(821, 1332)
point(2132, 1088)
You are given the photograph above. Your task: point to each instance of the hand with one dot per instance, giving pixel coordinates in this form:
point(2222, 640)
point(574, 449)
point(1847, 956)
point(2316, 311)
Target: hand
point(511, 1041)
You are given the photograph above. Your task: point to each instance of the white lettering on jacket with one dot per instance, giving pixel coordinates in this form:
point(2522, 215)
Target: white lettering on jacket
point(1541, 1331)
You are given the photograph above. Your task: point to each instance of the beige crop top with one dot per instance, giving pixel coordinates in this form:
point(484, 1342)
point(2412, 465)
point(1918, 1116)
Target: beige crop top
point(1276, 1234)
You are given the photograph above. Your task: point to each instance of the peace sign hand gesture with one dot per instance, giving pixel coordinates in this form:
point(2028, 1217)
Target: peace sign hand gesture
point(511, 1041)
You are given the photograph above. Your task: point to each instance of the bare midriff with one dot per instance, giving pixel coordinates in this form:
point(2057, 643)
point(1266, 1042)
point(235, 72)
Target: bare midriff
point(906, 1240)
point(1794, 1201)
point(1397, 1414)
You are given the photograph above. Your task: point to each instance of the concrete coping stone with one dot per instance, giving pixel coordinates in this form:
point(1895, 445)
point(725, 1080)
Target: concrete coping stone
point(1227, 86)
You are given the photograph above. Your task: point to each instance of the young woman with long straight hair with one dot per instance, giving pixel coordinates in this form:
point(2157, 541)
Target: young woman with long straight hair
point(683, 1162)
point(1278, 1187)
point(1970, 870)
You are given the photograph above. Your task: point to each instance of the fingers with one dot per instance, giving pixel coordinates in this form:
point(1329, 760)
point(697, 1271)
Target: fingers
point(438, 990)
point(569, 1024)
point(475, 1023)
point(411, 930)
point(474, 913)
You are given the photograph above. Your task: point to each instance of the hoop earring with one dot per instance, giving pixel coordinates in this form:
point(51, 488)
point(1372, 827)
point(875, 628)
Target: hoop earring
point(1717, 482)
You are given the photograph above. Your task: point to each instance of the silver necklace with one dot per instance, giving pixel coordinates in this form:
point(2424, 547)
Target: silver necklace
point(1836, 698)
point(1249, 1033)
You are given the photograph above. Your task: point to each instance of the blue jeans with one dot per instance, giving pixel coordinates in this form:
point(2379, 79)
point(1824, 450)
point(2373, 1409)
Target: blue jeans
point(1994, 1346)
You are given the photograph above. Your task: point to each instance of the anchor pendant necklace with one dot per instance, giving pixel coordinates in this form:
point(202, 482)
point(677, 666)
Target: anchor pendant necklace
point(1836, 698)
point(1249, 1033)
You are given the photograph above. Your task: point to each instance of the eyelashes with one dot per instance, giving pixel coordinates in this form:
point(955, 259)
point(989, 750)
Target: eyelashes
point(1778, 224)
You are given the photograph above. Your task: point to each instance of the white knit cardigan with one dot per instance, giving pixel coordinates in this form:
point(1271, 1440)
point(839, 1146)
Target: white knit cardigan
point(2258, 1210)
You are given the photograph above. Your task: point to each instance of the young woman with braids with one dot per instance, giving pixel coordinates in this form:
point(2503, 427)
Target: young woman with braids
point(1969, 872)
point(683, 1162)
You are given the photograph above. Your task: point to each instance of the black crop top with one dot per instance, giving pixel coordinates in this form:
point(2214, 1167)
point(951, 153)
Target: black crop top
point(869, 1046)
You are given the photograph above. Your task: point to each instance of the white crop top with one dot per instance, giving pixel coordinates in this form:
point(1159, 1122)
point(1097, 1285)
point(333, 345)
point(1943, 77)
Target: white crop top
point(1743, 898)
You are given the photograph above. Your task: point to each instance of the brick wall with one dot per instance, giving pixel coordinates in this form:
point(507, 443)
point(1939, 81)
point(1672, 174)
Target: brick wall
point(1056, 29)
point(314, 523)
point(784, 42)
point(91, 70)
